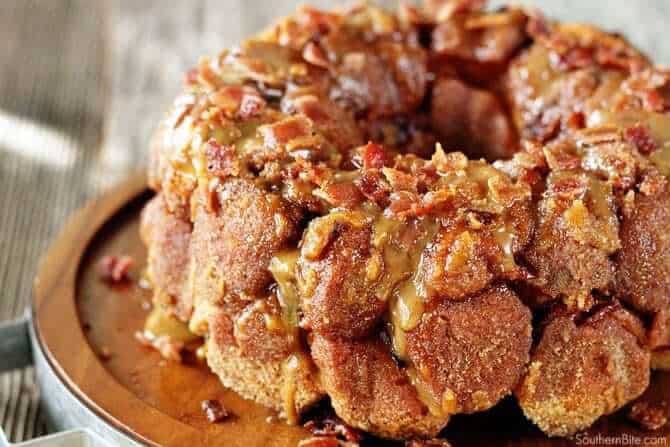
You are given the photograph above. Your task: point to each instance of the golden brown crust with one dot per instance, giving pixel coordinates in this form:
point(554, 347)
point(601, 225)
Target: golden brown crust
point(168, 238)
point(472, 353)
point(237, 238)
point(580, 372)
point(577, 231)
point(368, 390)
point(644, 260)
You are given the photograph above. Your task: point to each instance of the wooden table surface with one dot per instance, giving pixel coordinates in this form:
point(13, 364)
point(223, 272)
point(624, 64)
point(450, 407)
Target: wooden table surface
point(83, 82)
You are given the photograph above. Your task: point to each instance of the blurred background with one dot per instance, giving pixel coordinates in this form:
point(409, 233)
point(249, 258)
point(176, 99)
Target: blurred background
point(82, 83)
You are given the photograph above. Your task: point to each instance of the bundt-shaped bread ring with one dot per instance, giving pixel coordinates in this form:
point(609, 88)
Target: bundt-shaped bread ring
point(310, 226)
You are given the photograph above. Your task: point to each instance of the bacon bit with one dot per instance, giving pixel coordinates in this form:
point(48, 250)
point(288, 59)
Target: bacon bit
point(575, 58)
point(214, 410)
point(405, 204)
point(221, 160)
point(374, 156)
point(571, 53)
point(312, 108)
point(345, 195)
point(576, 120)
point(282, 132)
point(228, 98)
point(568, 188)
point(428, 443)
point(252, 105)
point(649, 417)
point(434, 199)
point(599, 135)
point(333, 427)
point(115, 269)
point(315, 55)
point(373, 187)
point(640, 137)
point(242, 101)
point(653, 101)
point(168, 349)
point(400, 181)
point(502, 190)
point(559, 158)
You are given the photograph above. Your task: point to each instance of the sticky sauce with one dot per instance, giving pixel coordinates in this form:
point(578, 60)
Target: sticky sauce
point(160, 323)
point(295, 364)
point(402, 245)
point(282, 267)
point(289, 388)
point(506, 238)
point(407, 307)
point(437, 408)
point(538, 71)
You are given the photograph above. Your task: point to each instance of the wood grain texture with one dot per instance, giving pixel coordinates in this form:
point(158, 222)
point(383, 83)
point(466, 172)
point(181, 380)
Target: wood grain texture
point(82, 83)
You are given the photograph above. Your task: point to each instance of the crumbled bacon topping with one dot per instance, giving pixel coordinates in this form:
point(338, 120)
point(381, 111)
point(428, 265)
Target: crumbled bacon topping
point(399, 180)
point(115, 269)
point(591, 48)
point(214, 410)
point(221, 159)
point(242, 101)
point(333, 427)
point(648, 416)
point(640, 137)
point(374, 156)
point(282, 132)
point(651, 87)
point(345, 195)
point(373, 186)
